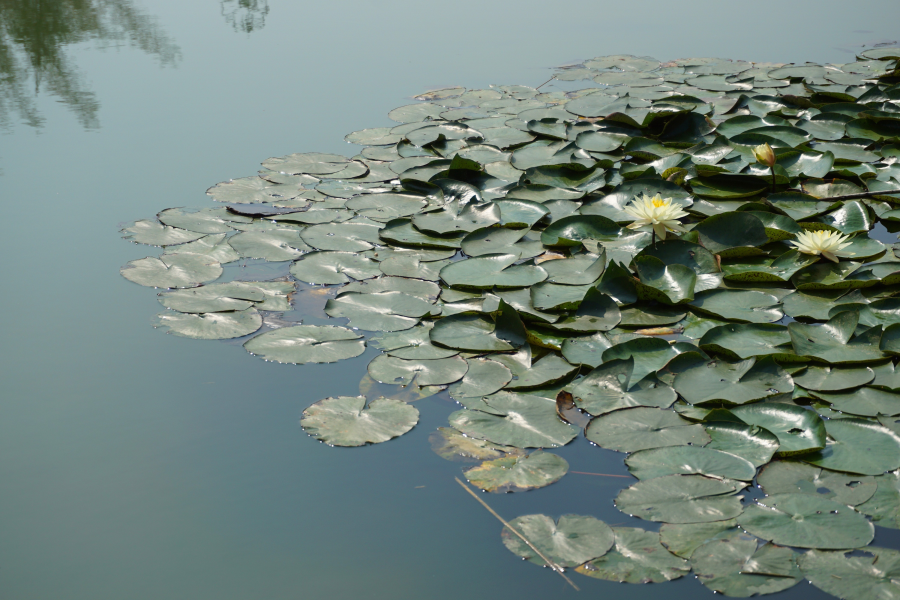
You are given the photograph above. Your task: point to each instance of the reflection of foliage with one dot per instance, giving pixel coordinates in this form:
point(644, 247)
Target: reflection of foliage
point(245, 15)
point(33, 37)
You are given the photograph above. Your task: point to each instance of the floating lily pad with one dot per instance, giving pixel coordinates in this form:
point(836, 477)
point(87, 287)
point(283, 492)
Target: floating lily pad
point(805, 521)
point(642, 428)
point(381, 311)
point(682, 499)
point(752, 442)
point(172, 270)
point(334, 267)
point(732, 383)
point(731, 566)
point(637, 557)
point(790, 477)
point(306, 344)
point(210, 326)
point(571, 541)
point(348, 421)
point(798, 430)
point(523, 421)
point(857, 446)
point(866, 575)
point(518, 473)
point(400, 371)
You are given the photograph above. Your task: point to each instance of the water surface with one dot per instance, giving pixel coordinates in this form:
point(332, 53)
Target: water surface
point(140, 465)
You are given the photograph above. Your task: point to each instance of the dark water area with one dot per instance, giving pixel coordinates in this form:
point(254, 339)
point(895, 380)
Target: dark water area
point(142, 465)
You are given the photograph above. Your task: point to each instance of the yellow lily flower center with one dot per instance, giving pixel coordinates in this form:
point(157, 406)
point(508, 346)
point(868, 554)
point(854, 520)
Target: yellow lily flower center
point(658, 202)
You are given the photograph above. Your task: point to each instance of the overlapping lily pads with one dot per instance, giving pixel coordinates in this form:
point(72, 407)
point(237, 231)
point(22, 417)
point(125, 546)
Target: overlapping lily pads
point(486, 235)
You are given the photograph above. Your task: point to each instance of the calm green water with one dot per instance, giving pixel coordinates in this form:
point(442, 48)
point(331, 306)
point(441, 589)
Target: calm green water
point(139, 465)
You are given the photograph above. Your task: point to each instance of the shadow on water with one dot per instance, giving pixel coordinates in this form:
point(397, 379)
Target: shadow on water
point(34, 57)
point(245, 15)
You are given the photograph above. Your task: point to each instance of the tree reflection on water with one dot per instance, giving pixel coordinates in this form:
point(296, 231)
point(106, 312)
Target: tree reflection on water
point(245, 15)
point(34, 40)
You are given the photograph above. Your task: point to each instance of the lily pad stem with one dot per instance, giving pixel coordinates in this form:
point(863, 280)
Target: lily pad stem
point(773, 178)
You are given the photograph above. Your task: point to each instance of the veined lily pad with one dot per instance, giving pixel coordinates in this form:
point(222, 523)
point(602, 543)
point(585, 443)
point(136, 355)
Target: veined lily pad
point(798, 430)
point(805, 521)
point(870, 575)
point(637, 557)
point(306, 344)
point(857, 446)
point(731, 566)
point(400, 371)
point(383, 311)
point(641, 428)
point(524, 422)
point(518, 473)
point(732, 383)
point(172, 271)
point(210, 326)
point(682, 499)
point(790, 477)
point(574, 540)
point(347, 421)
point(334, 267)
point(752, 442)
point(689, 460)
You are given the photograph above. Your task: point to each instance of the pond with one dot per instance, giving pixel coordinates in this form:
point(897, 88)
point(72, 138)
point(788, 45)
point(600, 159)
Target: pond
point(143, 465)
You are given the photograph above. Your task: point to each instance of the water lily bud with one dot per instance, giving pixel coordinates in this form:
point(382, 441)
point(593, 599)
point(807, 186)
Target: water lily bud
point(765, 154)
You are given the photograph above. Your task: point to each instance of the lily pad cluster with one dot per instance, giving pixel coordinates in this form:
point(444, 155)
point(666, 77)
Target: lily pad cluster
point(483, 242)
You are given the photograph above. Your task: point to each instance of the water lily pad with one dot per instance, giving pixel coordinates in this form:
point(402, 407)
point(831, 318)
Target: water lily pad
point(480, 333)
point(864, 401)
point(725, 566)
point(484, 272)
point(347, 421)
point(523, 421)
point(518, 473)
point(172, 270)
point(746, 306)
point(805, 521)
point(748, 340)
point(574, 540)
point(689, 460)
point(210, 326)
point(732, 383)
point(682, 539)
point(834, 342)
point(273, 244)
point(214, 246)
point(334, 267)
point(682, 499)
point(790, 477)
point(216, 297)
point(483, 378)
point(798, 430)
point(550, 369)
point(399, 371)
point(302, 344)
point(586, 350)
point(637, 557)
point(642, 428)
point(154, 234)
point(752, 442)
point(884, 505)
point(383, 311)
point(857, 446)
point(869, 574)
point(609, 387)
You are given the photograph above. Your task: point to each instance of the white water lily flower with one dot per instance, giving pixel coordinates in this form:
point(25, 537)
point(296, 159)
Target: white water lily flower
point(764, 154)
point(657, 213)
point(829, 244)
